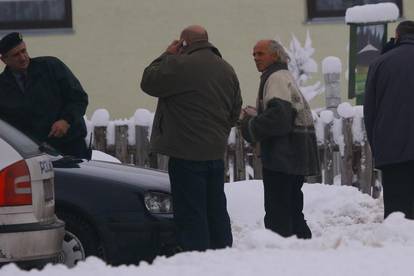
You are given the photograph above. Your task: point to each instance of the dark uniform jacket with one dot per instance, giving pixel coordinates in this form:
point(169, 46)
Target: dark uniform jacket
point(199, 101)
point(283, 126)
point(52, 93)
point(389, 104)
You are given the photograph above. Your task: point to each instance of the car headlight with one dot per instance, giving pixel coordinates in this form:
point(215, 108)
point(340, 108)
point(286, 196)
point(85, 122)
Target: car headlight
point(158, 203)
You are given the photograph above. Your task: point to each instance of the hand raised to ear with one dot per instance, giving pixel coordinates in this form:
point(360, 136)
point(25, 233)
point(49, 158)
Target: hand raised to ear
point(174, 47)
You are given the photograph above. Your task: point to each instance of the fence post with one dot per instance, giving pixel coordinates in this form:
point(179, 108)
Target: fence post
point(331, 68)
point(239, 161)
point(318, 177)
point(346, 164)
point(366, 177)
point(141, 146)
point(257, 162)
point(376, 189)
point(328, 155)
point(153, 160)
point(99, 138)
point(162, 162)
point(226, 164)
point(121, 143)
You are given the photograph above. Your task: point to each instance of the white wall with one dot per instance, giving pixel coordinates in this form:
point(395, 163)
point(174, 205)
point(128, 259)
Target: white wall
point(113, 41)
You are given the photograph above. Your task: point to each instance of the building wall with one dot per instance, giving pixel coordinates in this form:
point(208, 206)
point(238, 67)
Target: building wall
point(113, 41)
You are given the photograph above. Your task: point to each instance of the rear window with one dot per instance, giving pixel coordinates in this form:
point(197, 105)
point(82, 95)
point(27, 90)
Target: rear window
point(18, 140)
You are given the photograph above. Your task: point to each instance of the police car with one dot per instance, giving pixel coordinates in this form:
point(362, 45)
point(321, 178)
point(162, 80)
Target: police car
point(119, 213)
point(30, 233)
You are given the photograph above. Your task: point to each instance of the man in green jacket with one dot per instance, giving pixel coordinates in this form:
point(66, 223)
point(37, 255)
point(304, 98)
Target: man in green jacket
point(41, 97)
point(198, 103)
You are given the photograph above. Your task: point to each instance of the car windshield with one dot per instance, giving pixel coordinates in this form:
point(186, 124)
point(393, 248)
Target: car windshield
point(18, 140)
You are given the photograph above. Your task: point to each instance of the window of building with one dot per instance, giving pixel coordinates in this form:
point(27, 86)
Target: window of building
point(335, 9)
point(35, 14)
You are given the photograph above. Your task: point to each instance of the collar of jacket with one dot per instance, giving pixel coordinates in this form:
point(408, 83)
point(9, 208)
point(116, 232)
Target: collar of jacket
point(406, 39)
point(263, 78)
point(8, 73)
point(271, 69)
point(32, 70)
point(9, 77)
point(196, 46)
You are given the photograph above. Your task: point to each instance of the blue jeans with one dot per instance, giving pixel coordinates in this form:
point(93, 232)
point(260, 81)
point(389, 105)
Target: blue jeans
point(200, 211)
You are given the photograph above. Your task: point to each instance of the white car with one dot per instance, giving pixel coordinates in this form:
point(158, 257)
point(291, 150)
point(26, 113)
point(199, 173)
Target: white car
point(30, 233)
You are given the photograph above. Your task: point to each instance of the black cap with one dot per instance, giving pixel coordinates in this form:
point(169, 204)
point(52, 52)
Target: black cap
point(10, 41)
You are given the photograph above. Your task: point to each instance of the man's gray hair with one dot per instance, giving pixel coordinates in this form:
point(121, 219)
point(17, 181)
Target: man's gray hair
point(276, 47)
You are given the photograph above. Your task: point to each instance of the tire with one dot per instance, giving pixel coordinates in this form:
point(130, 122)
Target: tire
point(80, 240)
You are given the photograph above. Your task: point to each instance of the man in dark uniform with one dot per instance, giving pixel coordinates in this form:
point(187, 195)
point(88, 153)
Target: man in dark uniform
point(41, 97)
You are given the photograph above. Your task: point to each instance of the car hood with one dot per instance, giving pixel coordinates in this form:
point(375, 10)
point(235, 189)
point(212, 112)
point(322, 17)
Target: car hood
point(143, 178)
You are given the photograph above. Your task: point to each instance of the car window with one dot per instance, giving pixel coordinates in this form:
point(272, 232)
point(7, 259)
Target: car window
point(18, 140)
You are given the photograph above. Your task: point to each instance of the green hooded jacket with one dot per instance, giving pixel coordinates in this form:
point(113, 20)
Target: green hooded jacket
point(198, 102)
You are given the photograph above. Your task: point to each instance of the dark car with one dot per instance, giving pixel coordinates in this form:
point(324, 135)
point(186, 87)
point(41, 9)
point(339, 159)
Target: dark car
point(122, 214)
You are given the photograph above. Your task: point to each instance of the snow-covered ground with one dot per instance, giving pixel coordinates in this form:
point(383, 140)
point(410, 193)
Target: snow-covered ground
point(349, 238)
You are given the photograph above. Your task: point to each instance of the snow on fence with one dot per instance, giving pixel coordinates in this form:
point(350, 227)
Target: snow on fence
point(128, 140)
point(344, 152)
point(344, 148)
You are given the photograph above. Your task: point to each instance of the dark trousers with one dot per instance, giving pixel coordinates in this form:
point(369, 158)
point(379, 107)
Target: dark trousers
point(398, 185)
point(200, 211)
point(283, 199)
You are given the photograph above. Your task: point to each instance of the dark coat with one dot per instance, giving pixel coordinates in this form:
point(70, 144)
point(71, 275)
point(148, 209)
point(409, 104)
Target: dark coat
point(52, 93)
point(198, 102)
point(389, 105)
point(283, 125)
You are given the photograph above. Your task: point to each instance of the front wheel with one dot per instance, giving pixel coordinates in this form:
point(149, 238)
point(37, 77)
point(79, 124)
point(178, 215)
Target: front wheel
point(72, 250)
point(80, 240)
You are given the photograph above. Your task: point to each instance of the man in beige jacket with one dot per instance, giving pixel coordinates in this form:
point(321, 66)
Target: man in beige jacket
point(282, 123)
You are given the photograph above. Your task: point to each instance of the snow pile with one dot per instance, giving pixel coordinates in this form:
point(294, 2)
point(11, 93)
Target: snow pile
point(102, 156)
point(100, 117)
point(359, 111)
point(349, 238)
point(143, 117)
point(331, 65)
point(372, 13)
point(346, 110)
point(326, 116)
